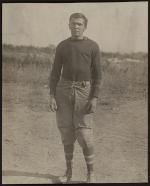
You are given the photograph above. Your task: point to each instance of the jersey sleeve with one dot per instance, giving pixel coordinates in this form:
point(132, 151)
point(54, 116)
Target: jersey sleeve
point(56, 71)
point(96, 73)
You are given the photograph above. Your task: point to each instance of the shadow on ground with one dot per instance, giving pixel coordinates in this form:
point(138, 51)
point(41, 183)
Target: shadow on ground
point(53, 178)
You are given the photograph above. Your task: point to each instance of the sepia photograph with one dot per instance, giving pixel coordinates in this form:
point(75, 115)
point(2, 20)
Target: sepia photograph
point(75, 92)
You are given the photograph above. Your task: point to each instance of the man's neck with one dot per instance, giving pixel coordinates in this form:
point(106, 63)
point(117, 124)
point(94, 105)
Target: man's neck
point(77, 38)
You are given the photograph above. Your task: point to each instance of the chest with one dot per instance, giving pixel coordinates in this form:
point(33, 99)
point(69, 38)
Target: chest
point(76, 50)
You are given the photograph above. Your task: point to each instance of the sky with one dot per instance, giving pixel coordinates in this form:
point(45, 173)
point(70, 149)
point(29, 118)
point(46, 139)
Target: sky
point(116, 27)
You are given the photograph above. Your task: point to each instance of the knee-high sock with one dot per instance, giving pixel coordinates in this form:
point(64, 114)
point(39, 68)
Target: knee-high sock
point(89, 158)
point(68, 149)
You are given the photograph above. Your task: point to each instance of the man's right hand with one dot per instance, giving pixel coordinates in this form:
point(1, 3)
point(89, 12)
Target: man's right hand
point(52, 103)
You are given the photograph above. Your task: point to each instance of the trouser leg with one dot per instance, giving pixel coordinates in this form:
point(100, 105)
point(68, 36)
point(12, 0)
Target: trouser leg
point(89, 158)
point(68, 140)
point(68, 150)
point(85, 139)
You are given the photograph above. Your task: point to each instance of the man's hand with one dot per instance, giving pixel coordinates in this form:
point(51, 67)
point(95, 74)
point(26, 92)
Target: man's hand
point(91, 106)
point(52, 103)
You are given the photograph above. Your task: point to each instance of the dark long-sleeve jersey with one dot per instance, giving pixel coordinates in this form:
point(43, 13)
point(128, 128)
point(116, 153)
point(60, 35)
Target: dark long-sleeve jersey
point(77, 60)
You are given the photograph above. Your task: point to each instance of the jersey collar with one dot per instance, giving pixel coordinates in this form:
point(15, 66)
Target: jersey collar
point(84, 38)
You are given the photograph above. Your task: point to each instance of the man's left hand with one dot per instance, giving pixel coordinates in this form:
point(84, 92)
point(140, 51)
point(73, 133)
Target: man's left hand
point(91, 106)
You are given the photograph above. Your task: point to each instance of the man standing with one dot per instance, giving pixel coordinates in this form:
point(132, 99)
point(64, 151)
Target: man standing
point(74, 88)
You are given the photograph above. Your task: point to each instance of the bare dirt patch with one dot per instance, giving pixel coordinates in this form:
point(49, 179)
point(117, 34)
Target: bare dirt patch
point(32, 151)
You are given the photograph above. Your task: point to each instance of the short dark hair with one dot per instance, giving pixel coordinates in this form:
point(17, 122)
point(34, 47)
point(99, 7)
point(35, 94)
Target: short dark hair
point(79, 15)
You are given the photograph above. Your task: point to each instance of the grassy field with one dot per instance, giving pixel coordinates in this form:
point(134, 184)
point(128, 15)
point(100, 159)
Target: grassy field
point(32, 150)
point(122, 75)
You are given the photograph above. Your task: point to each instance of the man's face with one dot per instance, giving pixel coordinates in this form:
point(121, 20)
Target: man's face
point(77, 27)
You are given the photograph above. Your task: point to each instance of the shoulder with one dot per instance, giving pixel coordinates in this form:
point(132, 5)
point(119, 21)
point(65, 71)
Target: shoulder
point(62, 43)
point(93, 44)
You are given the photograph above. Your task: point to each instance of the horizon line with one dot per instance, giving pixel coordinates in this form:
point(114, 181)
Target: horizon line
point(105, 51)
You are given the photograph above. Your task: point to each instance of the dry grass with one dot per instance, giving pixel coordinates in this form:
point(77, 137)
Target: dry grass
point(125, 78)
point(120, 80)
point(29, 74)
